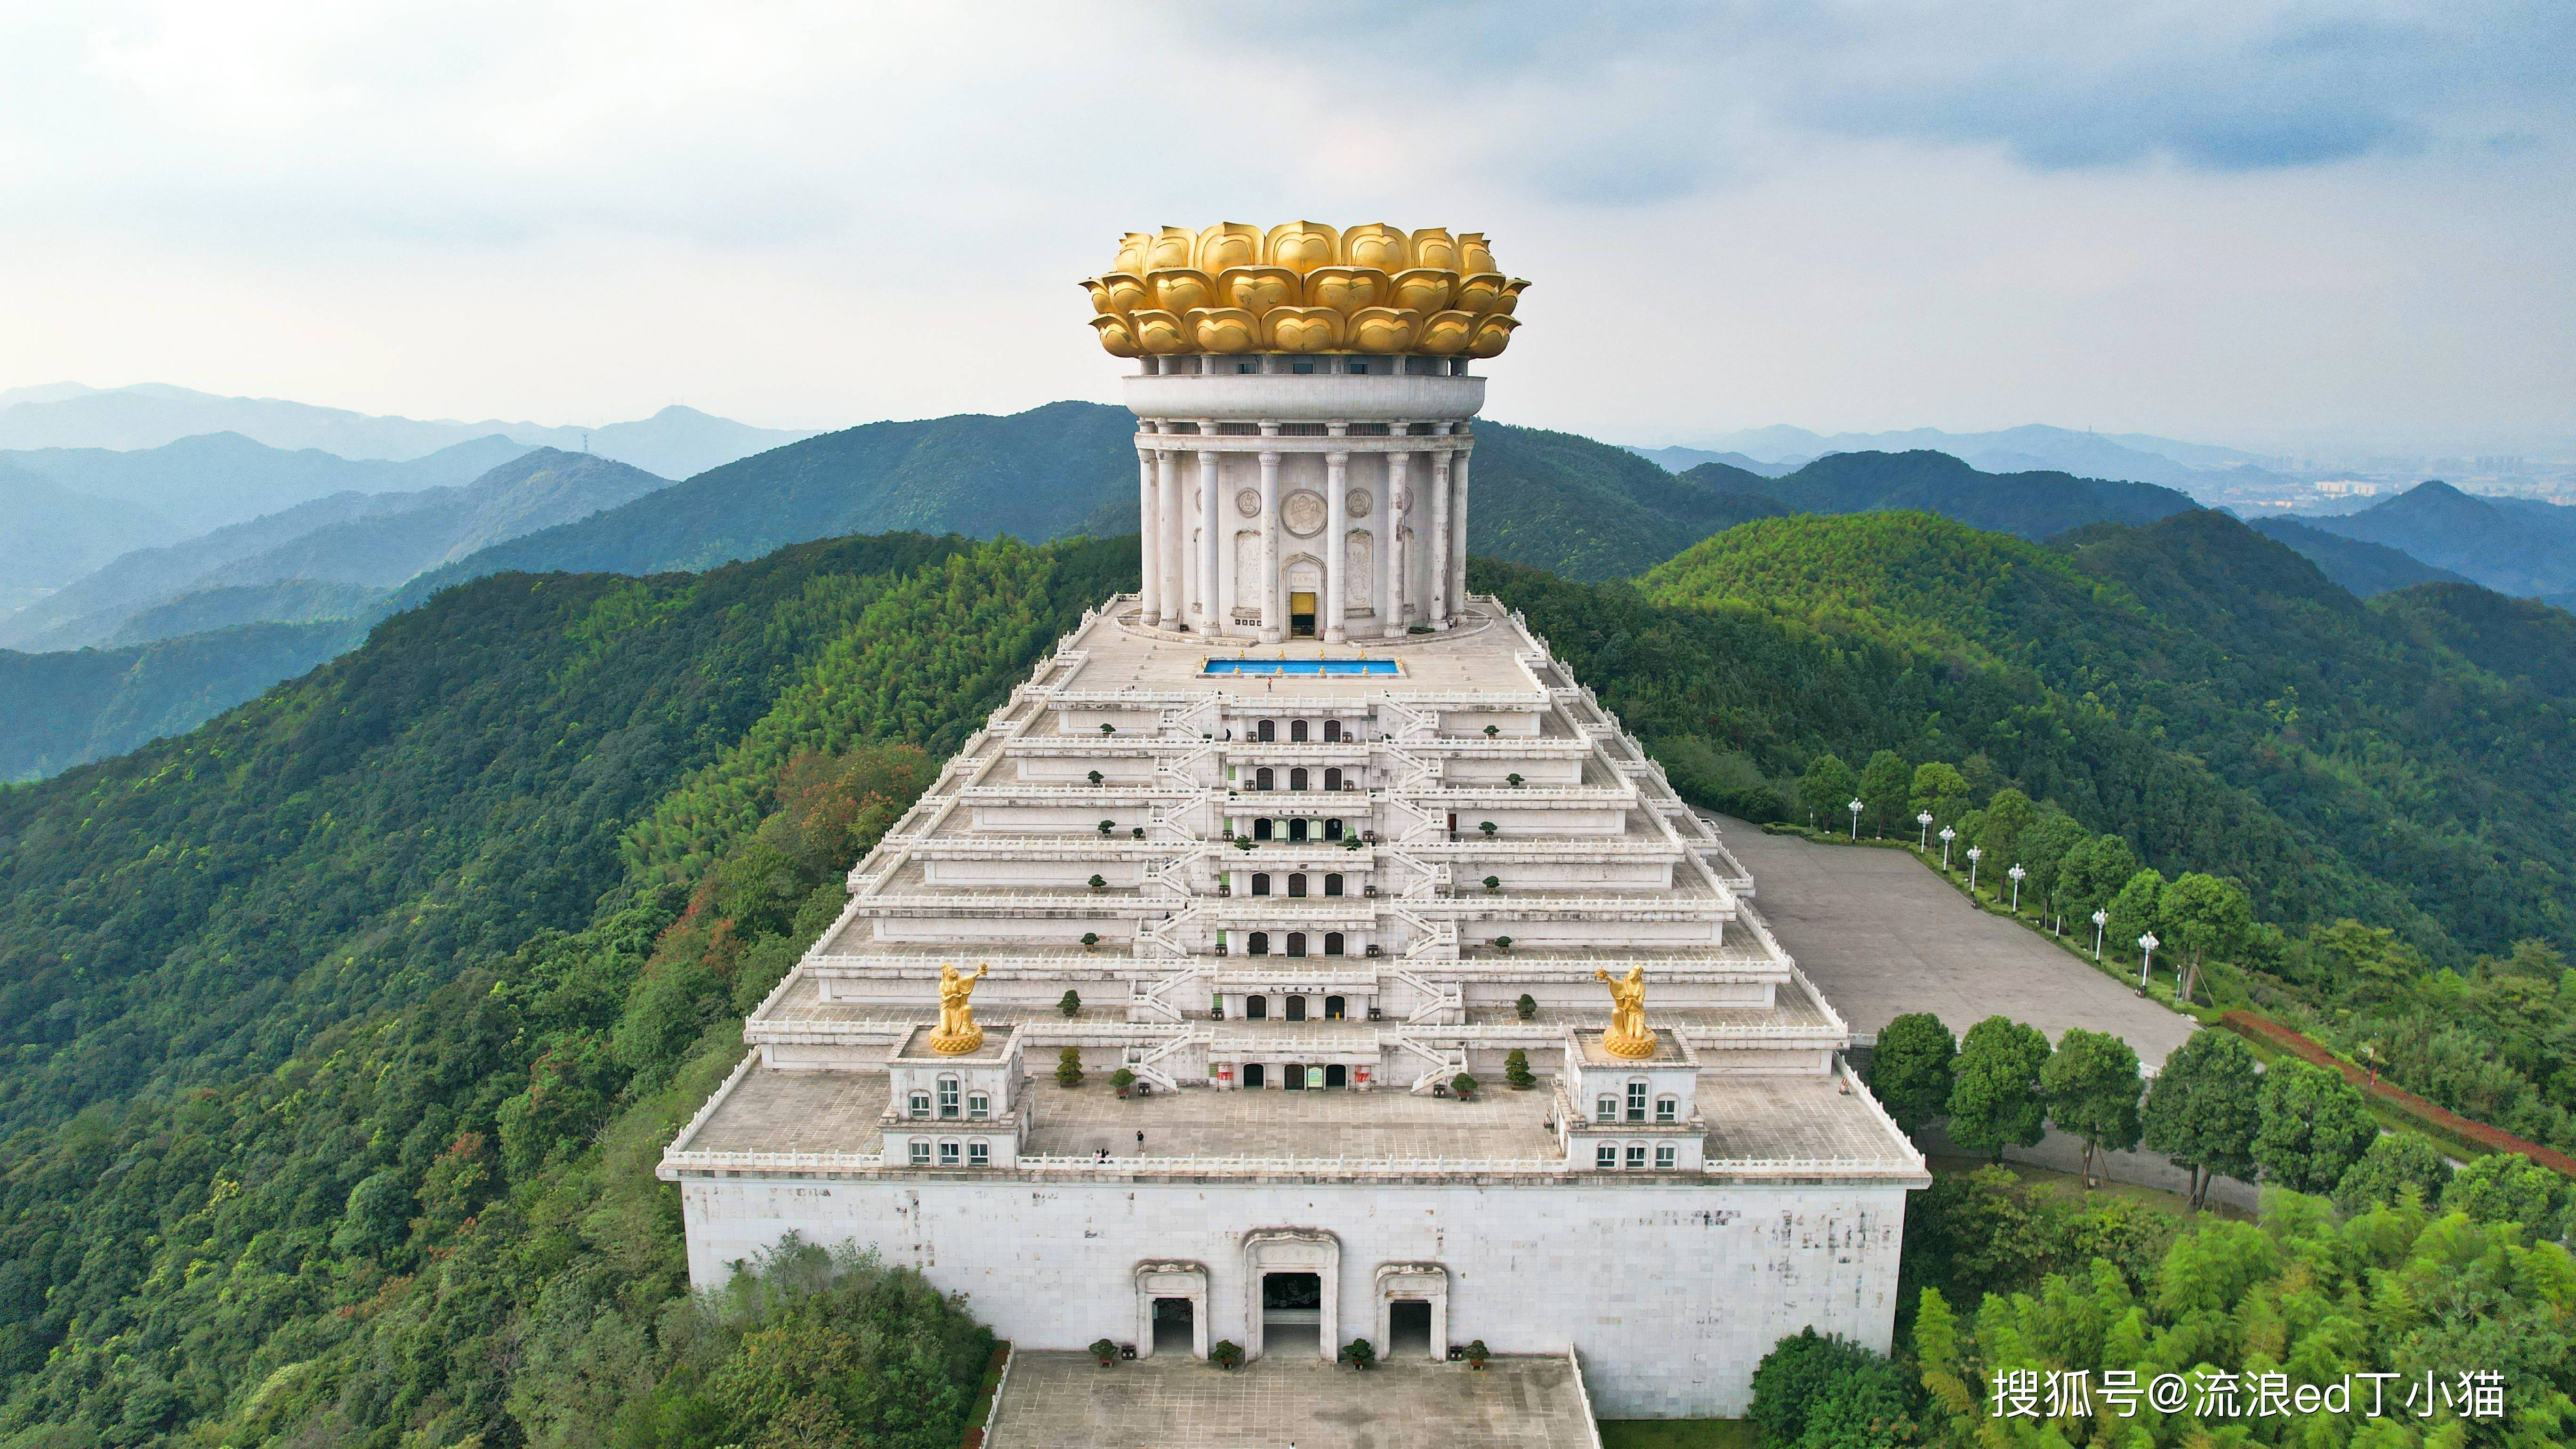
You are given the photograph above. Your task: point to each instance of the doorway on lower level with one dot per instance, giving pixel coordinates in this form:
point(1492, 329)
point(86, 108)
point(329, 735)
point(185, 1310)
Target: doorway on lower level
point(1408, 1326)
point(1176, 1326)
point(1292, 1313)
point(1253, 1076)
point(1301, 616)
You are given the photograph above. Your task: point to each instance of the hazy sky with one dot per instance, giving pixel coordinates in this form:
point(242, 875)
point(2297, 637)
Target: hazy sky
point(2230, 221)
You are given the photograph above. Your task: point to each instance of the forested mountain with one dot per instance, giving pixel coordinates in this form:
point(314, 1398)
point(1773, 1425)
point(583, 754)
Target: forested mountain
point(67, 707)
point(2034, 505)
point(1586, 510)
point(2366, 569)
point(2511, 545)
point(210, 480)
point(1682, 460)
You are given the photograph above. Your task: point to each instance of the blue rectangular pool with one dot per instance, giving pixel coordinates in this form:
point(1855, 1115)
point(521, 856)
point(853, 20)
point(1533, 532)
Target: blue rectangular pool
point(1302, 666)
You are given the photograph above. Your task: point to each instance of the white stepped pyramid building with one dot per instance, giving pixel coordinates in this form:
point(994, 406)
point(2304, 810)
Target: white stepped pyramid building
point(1311, 834)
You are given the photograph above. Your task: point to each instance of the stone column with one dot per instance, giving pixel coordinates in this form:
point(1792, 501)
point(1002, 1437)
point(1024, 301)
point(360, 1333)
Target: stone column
point(1440, 539)
point(1337, 525)
point(1210, 598)
point(1273, 628)
point(1391, 548)
point(1458, 529)
point(1169, 532)
point(1152, 592)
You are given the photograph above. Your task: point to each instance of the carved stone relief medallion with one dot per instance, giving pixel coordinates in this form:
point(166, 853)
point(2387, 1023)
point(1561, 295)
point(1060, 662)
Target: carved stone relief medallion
point(1303, 513)
point(1248, 503)
point(1359, 503)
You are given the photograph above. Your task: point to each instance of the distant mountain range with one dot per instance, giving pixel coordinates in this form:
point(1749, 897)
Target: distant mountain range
point(2118, 457)
point(2511, 545)
point(2367, 570)
point(675, 442)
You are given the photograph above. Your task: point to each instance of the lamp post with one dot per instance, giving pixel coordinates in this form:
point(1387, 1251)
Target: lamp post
point(2016, 873)
point(1947, 835)
point(1975, 852)
point(2100, 919)
point(1922, 838)
point(1854, 807)
point(2147, 945)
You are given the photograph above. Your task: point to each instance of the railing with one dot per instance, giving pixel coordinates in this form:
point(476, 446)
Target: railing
point(1060, 1164)
point(714, 1100)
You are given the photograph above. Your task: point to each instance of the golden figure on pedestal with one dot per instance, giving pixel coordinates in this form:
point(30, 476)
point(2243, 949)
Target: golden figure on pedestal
point(1628, 1036)
point(957, 1034)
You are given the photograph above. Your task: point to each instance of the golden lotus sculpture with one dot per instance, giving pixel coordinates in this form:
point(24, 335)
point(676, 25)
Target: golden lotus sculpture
point(1304, 287)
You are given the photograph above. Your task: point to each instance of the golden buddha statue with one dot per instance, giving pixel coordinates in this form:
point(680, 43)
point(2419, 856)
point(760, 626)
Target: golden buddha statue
point(958, 1034)
point(1628, 1036)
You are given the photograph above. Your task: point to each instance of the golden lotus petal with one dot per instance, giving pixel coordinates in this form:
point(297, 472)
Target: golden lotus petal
point(1160, 332)
point(1302, 329)
point(1473, 254)
point(1445, 334)
point(1511, 295)
point(1176, 246)
point(1493, 334)
point(1479, 292)
point(1099, 295)
point(1131, 252)
point(1424, 289)
point(1228, 244)
point(1127, 291)
point(1224, 329)
point(1345, 289)
point(1302, 246)
point(1376, 245)
point(1182, 289)
point(1383, 329)
point(1258, 288)
point(1115, 335)
point(1435, 250)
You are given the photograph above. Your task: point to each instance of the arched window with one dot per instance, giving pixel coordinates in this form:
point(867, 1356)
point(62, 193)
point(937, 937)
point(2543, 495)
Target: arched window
point(1335, 1008)
point(1296, 1008)
point(1297, 884)
point(1261, 830)
point(1261, 882)
point(1296, 943)
point(1333, 884)
point(948, 1154)
point(1332, 943)
point(1605, 1109)
point(1269, 730)
point(1332, 732)
point(1260, 946)
point(1636, 1101)
point(1333, 778)
point(1296, 830)
point(920, 1152)
point(1297, 779)
point(1297, 731)
point(921, 1104)
point(1256, 1008)
point(1668, 1109)
point(1332, 830)
point(978, 1106)
point(948, 1096)
point(1262, 779)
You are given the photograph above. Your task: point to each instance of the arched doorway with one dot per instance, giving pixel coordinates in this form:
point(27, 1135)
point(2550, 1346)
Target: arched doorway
point(1296, 1008)
point(1261, 830)
point(1176, 1325)
point(1296, 830)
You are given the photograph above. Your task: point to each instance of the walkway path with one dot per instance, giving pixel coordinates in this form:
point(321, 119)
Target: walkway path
point(1173, 1401)
point(1880, 934)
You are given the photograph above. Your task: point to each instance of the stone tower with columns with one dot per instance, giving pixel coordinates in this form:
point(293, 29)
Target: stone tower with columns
point(1302, 397)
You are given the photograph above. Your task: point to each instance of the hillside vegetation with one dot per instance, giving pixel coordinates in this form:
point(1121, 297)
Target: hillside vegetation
point(2035, 505)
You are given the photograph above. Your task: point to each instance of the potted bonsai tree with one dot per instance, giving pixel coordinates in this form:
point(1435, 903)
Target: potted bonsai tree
point(1464, 1085)
point(1477, 1353)
point(1493, 883)
point(1226, 1354)
point(1516, 1071)
point(1527, 1006)
point(1122, 1081)
point(1071, 1005)
point(1105, 1351)
point(1359, 1354)
point(1068, 1067)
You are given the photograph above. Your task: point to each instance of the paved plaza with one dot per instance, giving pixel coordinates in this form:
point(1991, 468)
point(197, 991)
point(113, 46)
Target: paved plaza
point(1880, 935)
point(1066, 1401)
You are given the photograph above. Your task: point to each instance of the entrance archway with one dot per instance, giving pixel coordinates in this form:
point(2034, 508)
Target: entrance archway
point(1413, 1309)
point(1408, 1327)
point(1171, 1309)
point(1176, 1325)
point(1292, 1312)
point(1306, 1265)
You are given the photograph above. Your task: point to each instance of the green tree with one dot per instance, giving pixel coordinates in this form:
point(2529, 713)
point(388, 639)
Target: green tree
point(2009, 816)
point(1883, 783)
point(2202, 918)
point(2203, 1110)
point(2504, 1188)
point(2091, 1085)
point(1909, 1069)
point(1994, 1098)
point(1824, 788)
point(2045, 849)
point(2133, 909)
point(2094, 872)
point(1799, 1371)
point(1939, 788)
point(2391, 1165)
point(2315, 1127)
point(1068, 1067)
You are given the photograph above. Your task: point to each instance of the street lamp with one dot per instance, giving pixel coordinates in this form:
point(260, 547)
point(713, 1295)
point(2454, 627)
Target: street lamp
point(1922, 839)
point(1854, 807)
point(1947, 835)
point(2147, 945)
point(2100, 919)
point(1974, 853)
point(2016, 873)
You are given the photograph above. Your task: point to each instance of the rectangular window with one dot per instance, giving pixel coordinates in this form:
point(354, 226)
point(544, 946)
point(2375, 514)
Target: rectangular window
point(920, 1153)
point(979, 1106)
point(1604, 1157)
point(921, 1104)
point(1636, 1101)
point(1637, 1155)
point(1301, 368)
point(948, 1096)
point(1664, 1157)
point(948, 1154)
point(1606, 1110)
point(1359, 367)
point(1666, 1108)
point(980, 1154)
